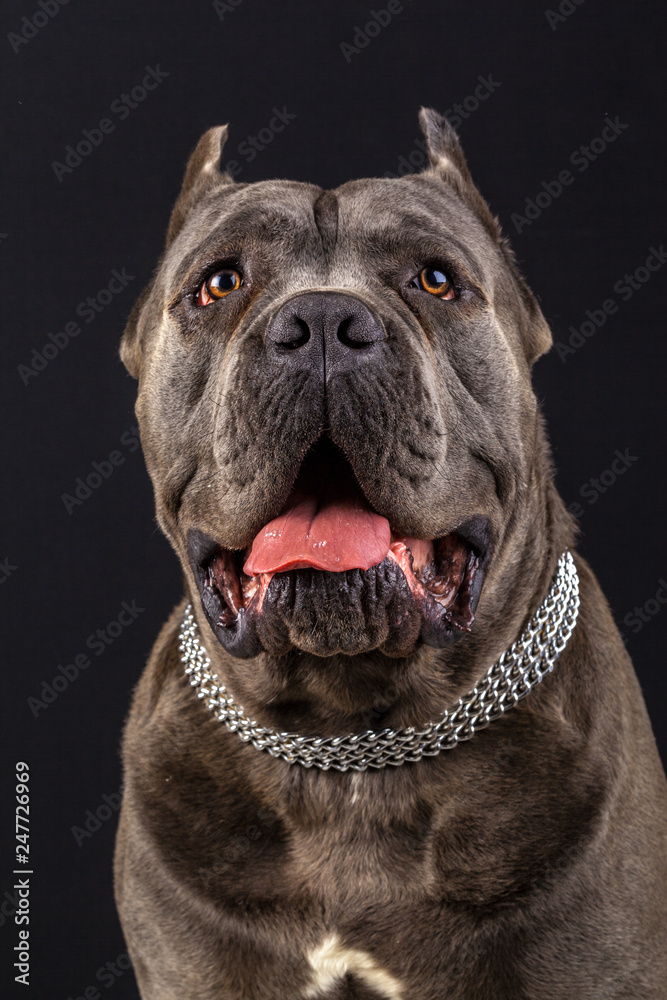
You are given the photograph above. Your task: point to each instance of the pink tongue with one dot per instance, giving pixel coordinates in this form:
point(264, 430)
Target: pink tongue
point(334, 535)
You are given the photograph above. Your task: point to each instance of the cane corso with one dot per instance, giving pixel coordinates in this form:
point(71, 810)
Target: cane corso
point(390, 743)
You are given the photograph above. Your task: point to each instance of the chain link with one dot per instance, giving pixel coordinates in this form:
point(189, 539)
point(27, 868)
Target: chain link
point(511, 678)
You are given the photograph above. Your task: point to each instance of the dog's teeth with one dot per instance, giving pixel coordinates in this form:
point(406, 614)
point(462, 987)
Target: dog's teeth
point(231, 592)
point(442, 589)
point(226, 619)
point(249, 587)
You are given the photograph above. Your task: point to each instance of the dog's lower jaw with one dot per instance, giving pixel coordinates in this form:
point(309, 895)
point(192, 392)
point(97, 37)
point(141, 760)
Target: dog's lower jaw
point(341, 694)
point(392, 607)
point(299, 690)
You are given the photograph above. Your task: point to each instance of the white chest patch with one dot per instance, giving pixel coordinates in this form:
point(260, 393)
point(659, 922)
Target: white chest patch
point(331, 961)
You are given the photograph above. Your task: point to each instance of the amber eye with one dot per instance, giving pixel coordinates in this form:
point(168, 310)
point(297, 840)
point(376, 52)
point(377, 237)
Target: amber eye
point(436, 282)
point(218, 285)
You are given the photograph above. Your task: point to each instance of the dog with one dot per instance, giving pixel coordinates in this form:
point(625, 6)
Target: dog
point(390, 743)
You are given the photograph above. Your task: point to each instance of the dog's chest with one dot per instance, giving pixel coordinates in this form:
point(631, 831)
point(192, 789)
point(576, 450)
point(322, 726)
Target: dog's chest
point(360, 886)
point(362, 904)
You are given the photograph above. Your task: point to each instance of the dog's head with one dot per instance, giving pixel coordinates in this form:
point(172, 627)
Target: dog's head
point(335, 403)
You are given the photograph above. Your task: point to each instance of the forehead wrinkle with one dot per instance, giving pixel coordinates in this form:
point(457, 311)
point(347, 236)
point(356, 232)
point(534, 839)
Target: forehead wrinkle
point(419, 242)
point(250, 205)
point(325, 213)
point(437, 194)
point(268, 222)
point(404, 221)
point(246, 227)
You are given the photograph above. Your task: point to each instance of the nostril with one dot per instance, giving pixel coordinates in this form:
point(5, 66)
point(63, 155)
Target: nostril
point(345, 338)
point(332, 331)
point(300, 340)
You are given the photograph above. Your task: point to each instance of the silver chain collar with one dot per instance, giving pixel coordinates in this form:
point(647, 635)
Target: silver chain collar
point(510, 679)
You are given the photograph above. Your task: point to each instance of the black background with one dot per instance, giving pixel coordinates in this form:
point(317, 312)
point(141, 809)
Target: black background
point(354, 117)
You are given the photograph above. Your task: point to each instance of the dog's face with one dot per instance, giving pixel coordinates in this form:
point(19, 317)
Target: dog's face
point(335, 403)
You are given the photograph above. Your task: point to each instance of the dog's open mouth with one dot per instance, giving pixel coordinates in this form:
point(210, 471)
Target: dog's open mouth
point(327, 539)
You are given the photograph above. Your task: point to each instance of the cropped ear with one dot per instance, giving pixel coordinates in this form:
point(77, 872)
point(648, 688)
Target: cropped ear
point(202, 173)
point(449, 163)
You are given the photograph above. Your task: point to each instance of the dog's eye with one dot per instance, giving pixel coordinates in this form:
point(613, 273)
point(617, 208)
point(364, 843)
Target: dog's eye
point(436, 282)
point(218, 285)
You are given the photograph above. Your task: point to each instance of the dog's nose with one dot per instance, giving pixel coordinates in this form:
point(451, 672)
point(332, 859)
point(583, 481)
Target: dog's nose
point(327, 332)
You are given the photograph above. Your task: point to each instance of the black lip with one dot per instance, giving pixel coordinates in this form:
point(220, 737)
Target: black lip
point(240, 639)
point(248, 634)
point(436, 631)
point(477, 533)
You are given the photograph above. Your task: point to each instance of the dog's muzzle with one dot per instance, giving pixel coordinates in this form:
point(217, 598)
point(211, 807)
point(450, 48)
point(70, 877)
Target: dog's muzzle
point(329, 574)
